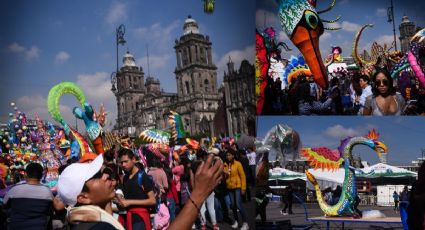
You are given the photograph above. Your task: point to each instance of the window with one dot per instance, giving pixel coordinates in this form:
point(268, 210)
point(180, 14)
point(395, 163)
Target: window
point(206, 83)
point(187, 86)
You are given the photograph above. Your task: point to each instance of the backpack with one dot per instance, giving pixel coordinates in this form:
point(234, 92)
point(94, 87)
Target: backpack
point(155, 208)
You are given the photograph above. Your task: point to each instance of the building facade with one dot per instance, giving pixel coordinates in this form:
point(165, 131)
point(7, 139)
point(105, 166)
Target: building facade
point(239, 97)
point(407, 30)
point(142, 104)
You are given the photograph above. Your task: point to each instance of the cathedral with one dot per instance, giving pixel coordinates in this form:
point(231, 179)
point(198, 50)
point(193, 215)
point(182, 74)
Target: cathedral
point(142, 104)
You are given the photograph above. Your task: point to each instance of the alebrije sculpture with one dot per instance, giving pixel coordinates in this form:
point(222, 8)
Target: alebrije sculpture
point(323, 158)
point(303, 26)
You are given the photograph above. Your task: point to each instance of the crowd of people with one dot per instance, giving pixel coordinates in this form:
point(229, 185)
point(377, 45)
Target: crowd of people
point(127, 188)
point(365, 92)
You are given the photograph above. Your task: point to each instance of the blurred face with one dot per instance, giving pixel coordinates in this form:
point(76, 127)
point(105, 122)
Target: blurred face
point(363, 83)
point(229, 156)
point(100, 190)
point(382, 83)
point(127, 163)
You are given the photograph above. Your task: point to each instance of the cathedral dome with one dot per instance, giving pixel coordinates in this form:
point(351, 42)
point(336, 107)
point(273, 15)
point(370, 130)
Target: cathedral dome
point(128, 60)
point(190, 26)
point(405, 19)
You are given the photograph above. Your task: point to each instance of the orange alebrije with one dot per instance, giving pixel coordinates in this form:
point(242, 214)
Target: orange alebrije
point(373, 135)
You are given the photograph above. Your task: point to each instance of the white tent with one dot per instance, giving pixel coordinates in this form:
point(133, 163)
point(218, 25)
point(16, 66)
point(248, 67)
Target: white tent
point(326, 178)
point(285, 174)
point(375, 172)
point(384, 170)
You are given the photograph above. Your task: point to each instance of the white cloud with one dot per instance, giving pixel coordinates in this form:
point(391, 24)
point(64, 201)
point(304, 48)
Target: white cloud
point(37, 104)
point(339, 131)
point(325, 36)
point(16, 48)
point(350, 27)
point(264, 17)
point(32, 53)
point(160, 37)
point(62, 57)
point(117, 13)
point(97, 88)
point(237, 57)
point(156, 63)
point(381, 12)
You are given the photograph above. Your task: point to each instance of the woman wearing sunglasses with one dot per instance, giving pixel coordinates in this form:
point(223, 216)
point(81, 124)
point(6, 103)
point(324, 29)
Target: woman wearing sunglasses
point(384, 101)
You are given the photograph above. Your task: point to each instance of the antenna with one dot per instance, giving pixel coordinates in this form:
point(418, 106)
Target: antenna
point(147, 51)
point(265, 19)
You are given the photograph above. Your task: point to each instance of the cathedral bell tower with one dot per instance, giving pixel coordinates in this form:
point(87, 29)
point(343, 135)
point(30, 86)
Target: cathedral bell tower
point(130, 89)
point(195, 71)
point(407, 30)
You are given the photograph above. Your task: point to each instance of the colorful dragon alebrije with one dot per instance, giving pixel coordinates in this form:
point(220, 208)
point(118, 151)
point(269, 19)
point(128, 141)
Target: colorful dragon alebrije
point(163, 137)
point(303, 26)
point(395, 61)
point(92, 121)
point(327, 159)
point(161, 143)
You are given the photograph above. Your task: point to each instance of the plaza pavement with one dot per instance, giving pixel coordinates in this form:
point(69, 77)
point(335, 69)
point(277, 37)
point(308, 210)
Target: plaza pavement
point(299, 218)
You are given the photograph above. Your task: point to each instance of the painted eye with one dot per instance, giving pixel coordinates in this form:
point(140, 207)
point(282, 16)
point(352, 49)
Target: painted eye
point(311, 19)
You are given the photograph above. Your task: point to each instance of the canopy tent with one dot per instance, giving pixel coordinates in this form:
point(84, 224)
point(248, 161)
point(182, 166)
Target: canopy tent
point(384, 170)
point(384, 174)
point(326, 178)
point(280, 178)
point(285, 174)
point(378, 174)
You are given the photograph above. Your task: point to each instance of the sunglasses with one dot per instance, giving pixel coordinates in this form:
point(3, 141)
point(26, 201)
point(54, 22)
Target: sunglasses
point(379, 82)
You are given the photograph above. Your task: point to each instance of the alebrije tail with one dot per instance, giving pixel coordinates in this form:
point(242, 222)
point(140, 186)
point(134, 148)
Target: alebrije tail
point(322, 203)
point(413, 58)
point(177, 130)
point(360, 62)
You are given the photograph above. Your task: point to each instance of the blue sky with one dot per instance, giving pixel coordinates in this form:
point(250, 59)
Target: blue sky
point(354, 14)
point(404, 136)
point(46, 42)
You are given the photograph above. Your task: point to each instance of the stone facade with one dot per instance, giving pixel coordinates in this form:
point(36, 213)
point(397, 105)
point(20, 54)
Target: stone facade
point(239, 91)
point(144, 105)
point(407, 30)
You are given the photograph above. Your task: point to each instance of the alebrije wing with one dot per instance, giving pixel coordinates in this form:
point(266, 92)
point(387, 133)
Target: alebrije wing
point(322, 158)
point(155, 136)
point(84, 146)
point(177, 130)
point(261, 69)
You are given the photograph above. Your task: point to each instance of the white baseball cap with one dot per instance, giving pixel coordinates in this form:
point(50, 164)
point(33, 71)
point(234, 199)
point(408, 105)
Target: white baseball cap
point(214, 151)
point(72, 179)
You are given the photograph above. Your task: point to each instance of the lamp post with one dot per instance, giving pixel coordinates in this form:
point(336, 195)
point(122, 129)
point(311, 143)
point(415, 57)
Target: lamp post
point(114, 82)
point(119, 38)
point(390, 14)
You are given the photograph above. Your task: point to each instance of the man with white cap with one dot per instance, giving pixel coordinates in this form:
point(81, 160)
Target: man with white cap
point(87, 190)
point(84, 188)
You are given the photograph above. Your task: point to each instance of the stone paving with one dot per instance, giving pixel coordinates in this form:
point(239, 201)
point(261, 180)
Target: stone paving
point(299, 217)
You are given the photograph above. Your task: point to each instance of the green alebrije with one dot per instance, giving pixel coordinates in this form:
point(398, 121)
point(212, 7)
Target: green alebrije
point(54, 96)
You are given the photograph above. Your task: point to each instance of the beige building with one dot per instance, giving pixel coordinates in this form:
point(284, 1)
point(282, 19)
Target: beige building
point(142, 104)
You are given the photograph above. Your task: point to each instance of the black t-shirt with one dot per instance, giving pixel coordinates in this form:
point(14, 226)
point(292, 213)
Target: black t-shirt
point(132, 189)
